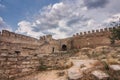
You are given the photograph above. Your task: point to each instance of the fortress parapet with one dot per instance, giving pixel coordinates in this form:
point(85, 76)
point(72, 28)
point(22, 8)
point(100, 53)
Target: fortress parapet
point(49, 37)
point(77, 34)
point(110, 29)
point(0, 33)
point(85, 33)
point(92, 38)
point(81, 33)
point(106, 29)
point(16, 38)
point(114, 27)
point(101, 30)
point(97, 31)
point(46, 38)
point(94, 32)
point(73, 35)
point(5, 33)
point(89, 32)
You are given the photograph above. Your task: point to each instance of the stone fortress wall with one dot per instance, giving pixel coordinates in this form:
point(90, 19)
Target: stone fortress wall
point(19, 54)
point(17, 60)
point(46, 43)
point(92, 38)
point(8, 36)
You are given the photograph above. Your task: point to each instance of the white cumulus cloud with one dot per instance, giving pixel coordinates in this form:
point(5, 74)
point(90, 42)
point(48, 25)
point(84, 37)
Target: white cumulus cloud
point(27, 28)
point(67, 17)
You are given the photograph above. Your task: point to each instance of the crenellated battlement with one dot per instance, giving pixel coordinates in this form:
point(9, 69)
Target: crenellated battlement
point(0, 33)
point(98, 31)
point(93, 38)
point(47, 37)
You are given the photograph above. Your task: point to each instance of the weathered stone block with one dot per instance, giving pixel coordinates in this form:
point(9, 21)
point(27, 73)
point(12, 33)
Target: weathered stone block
point(36, 62)
point(2, 59)
point(74, 74)
point(115, 67)
point(12, 59)
point(35, 58)
point(7, 71)
point(100, 75)
point(28, 58)
point(27, 66)
point(20, 58)
point(14, 71)
point(11, 63)
point(3, 54)
point(3, 77)
point(13, 66)
point(21, 66)
point(26, 62)
point(26, 70)
point(2, 71)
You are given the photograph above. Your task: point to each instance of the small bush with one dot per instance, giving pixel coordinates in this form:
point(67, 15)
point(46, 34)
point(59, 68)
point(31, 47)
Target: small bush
point(42, 68)
point(106, 66)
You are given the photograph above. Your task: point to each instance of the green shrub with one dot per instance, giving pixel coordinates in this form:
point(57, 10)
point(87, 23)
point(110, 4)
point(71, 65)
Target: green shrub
point(43, 68)
point(106, 66)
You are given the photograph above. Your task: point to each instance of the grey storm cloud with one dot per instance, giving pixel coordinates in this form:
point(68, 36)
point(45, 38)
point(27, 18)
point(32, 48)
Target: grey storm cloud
point(95, 3)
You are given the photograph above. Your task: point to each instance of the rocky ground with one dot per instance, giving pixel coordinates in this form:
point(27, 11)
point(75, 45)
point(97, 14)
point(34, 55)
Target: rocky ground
point(101, 63)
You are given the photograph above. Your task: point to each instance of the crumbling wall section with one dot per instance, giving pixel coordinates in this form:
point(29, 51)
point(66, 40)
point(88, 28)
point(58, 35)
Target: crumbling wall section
point(17, 61)
point(12, 37)
point(46, 38)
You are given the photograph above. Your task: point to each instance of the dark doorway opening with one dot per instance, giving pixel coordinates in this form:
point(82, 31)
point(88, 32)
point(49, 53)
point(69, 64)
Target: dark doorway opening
point(64, 47)
point(53, 49)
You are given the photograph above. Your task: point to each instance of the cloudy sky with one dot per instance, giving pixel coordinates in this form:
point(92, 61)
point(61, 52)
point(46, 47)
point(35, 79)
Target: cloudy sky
point(61, 18)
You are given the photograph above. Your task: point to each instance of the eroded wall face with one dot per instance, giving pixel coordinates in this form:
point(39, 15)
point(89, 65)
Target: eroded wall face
point(7, 36)
point(91, 42)
point(93, 39)
point(17, 60)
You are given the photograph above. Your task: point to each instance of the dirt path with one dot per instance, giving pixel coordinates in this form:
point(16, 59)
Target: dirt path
point(47, 75)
